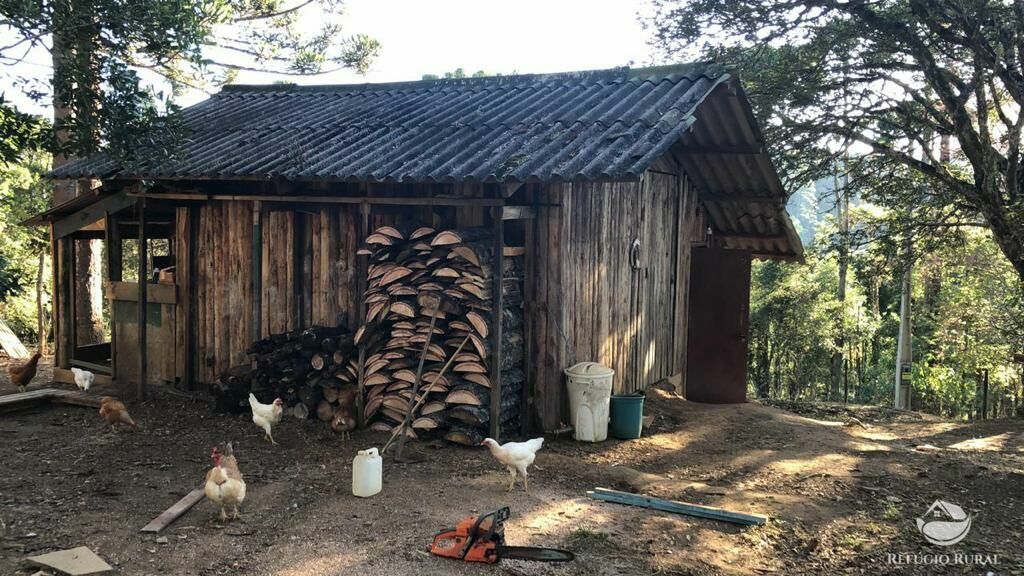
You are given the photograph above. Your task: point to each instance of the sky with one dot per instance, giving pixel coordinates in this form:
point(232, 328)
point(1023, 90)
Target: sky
point(418, 37)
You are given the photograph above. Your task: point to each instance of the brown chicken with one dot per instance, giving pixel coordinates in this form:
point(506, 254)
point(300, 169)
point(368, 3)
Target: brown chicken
point(344, 421)
point(22, 374)
point(114, 412)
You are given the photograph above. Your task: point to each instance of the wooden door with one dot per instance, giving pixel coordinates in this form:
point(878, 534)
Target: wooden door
point(719, 316)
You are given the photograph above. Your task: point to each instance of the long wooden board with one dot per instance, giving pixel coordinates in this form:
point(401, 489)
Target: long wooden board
point(696, 510)
point(76, 398)
point(65, 376)
point(10, 402)
point(174, 512)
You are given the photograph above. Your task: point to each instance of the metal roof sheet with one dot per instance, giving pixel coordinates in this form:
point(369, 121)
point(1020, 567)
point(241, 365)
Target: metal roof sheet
point(596, 125)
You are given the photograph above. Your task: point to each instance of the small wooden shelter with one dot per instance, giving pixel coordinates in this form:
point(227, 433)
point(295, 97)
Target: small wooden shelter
point(637, 196)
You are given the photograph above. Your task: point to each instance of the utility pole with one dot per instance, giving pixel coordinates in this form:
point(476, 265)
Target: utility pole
point(843, 222)
point(984, 394)
point(904, 352)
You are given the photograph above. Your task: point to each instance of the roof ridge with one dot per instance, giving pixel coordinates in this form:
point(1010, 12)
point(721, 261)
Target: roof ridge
point(621, 73)
point(272, 127)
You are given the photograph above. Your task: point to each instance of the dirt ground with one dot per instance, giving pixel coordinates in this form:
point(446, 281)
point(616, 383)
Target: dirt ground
point(842, 487)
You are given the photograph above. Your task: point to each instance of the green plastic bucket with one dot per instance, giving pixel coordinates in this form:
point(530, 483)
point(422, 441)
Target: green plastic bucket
point(627, 415)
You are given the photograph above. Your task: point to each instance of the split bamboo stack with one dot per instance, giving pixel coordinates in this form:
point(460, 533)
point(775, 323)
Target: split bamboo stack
point(413, 278)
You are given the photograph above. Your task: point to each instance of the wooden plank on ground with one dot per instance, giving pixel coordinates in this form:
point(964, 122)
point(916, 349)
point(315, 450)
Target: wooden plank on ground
point(75, 562)
point(696, 510)
point(76, 398)
point(10, 342)
point(24, 399)
point(174, 512)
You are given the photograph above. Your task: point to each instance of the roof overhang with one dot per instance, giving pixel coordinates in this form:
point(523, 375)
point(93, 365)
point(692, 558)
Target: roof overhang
point(724, 155)
point(83, 211)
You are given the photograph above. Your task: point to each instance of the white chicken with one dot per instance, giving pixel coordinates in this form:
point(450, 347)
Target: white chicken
point(83, 378)
point(266, 415)
point(224, 485)
point(516, 456)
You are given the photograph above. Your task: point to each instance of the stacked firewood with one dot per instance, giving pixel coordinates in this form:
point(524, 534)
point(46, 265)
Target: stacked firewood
point(513, 361)
point(314, 371)
point(416, 280)
point(231, 390)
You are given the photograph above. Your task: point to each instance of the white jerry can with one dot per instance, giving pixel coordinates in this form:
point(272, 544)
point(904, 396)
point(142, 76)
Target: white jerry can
point(367, 473)
point(590, 392)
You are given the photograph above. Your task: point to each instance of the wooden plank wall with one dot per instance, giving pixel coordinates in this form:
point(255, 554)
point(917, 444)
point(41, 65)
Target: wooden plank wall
point(317, 278)
point(595, 296)
point(308, 264)
point(655, 321)
point(546, 312)
point(692, 232)
point(280, 307)
point(617, 277)
point(223, 287)
point(334, 266)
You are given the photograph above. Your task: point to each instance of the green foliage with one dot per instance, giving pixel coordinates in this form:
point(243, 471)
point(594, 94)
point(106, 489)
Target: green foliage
point(12, 280)
point(457, 73)
point(19, 132)
point(922, 94)
point(791, 321)
point(23, 193)
point(966, 314)
point(107, 54)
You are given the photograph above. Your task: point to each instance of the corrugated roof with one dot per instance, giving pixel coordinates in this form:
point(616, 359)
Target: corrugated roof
point(597, 125)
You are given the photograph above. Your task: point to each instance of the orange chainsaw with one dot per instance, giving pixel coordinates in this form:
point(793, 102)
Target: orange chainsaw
point(482, 539)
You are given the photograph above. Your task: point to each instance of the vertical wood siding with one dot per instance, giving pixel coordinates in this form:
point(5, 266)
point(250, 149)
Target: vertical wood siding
point(596, 297)
point(223, 288)
point(316, 278)
point(334, 244)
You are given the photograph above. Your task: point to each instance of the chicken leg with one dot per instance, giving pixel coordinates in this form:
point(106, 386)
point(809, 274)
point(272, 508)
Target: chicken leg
point(512, 484)
point(266, 430)
point(526, 482)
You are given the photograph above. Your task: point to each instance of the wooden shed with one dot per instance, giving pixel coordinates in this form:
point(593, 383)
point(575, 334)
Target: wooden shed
point(637, 197)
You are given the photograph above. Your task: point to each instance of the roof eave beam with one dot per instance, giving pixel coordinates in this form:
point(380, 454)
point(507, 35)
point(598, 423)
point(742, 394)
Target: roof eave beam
point(82, 218)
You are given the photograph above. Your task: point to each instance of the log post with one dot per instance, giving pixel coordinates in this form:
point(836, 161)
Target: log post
point(497, 307)
point(362, 264)
point(256, 278)
point(140, 389)
point(526, 414)
point(63, 309)
point(112, 237)
point(190, 297)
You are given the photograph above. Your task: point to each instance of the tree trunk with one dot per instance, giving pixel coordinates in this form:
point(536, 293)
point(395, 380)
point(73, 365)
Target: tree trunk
point(843, 220)
point(75, 40)
point(89, 292)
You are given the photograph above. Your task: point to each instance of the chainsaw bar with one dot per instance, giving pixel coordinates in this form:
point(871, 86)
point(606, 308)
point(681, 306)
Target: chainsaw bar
point(534, 554)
